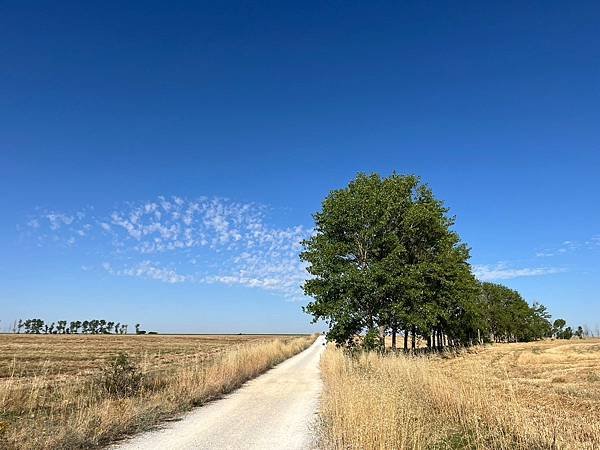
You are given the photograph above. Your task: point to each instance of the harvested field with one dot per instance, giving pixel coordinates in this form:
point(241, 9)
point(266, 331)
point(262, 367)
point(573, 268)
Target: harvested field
point(540, 395)
point(26, 355)
point(54, 391)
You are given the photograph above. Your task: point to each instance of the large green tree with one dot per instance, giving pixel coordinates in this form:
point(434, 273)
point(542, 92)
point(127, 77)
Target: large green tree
point(347, 257)
point(384, 257)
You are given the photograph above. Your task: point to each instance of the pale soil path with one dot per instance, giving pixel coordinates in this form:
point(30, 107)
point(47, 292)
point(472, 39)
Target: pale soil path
point(273, 411)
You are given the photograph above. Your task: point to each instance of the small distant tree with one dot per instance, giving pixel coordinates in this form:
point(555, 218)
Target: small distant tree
point(37, 325)
point(74, 326)
point(539, 321)
point(61, 326)
point(19, 325)
point(579, 332)
point(557, 328)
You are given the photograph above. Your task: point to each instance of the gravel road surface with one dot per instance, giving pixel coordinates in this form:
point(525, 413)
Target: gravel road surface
point(274, 411)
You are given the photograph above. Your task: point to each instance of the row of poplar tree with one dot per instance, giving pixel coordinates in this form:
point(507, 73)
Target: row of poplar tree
point(385, 260)
point(94, 326)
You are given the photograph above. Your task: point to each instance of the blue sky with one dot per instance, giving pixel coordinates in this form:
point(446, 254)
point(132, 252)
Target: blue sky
point(124, 125)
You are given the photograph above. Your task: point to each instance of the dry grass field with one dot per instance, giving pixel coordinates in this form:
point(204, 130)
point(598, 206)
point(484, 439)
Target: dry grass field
point(53, 391)
point(24, 355)
point(540, 395)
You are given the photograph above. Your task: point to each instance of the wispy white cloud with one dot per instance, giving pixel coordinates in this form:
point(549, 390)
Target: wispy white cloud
point(57, 220)
point(149, 270)
point(204, 240)
point(593, 242)
point(570, 246)
point(502, 272)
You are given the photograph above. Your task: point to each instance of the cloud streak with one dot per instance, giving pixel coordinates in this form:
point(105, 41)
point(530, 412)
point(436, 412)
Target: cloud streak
point(570, 246)
point(503, 272)
point(176, 240)
point(148, 270)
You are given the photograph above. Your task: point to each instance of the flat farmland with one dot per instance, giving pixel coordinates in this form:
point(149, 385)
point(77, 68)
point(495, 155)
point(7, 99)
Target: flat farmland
point(63, 355)
point(74, 391)
point(522, 396)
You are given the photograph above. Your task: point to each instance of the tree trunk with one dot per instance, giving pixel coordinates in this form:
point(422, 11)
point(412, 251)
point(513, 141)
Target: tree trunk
point(412, 345)
point(394, 339)
point(382, 337)
point(406, 339)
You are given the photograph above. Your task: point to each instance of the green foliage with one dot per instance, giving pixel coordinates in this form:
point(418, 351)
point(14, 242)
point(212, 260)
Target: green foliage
point(560, 332)
point(384, 256)
point(510, 318)
point(38, 326)
point(33, 326)
point(121, 377)
point(557, 327)
point(372, 340)
point(567, 333)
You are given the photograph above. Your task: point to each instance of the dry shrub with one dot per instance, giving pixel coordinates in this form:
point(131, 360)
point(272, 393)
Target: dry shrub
point(121, 377)
point(40, 412)
point(470, 401)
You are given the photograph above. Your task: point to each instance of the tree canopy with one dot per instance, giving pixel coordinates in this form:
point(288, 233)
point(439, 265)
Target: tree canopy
point(384, 258)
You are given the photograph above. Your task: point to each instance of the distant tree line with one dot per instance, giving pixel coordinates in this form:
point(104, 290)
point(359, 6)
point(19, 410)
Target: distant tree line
point(95, 326)
point(384, 261)
point(507, 317)
point(560, 332)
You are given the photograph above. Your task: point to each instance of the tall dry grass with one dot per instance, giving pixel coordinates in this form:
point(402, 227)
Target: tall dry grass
point(48, 412)
point(475, 401)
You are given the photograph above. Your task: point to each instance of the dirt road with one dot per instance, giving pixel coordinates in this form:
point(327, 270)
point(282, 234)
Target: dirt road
point(273, 411)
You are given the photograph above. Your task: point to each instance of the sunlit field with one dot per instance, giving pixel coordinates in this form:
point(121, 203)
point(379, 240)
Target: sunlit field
point(64, 391)
point(540, 395)
point(63, 355)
